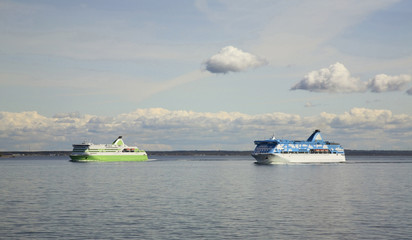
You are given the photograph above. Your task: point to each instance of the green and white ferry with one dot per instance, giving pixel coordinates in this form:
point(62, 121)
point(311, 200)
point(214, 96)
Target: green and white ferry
point(115, 152)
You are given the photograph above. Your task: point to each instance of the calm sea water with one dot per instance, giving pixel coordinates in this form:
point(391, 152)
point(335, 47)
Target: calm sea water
point(205, 198)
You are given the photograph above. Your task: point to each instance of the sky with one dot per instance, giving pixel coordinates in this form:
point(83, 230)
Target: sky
point(205, 75)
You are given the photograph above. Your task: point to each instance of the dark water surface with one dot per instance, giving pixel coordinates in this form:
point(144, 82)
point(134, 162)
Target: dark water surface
point(205, 198)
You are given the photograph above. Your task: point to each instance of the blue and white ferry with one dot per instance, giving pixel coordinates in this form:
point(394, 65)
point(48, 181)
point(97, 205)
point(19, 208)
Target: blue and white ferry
point(313, 150)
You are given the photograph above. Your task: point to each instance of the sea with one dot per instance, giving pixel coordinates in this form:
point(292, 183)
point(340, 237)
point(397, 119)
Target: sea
point(205, 197)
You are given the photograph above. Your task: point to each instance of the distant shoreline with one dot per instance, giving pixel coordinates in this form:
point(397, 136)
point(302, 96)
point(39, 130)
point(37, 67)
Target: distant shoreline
point(6, 154)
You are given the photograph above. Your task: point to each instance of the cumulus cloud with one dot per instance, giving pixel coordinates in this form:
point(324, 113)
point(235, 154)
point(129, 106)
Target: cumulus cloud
point(162, 129)
point(231, 59)
point(337, 79)
point(363, 117)
point(310, 105)
point(385, 83)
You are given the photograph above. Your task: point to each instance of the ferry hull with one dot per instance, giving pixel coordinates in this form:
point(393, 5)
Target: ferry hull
point(108, 158)
point(284, 158)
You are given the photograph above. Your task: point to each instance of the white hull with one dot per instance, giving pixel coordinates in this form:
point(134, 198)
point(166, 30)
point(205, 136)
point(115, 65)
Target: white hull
point(279, 158)
point(110, 154)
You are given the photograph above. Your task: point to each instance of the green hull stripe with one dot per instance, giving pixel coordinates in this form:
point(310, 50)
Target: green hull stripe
point(108, 158)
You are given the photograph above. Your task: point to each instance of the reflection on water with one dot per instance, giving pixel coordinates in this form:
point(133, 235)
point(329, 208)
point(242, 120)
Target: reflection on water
point(208, 197)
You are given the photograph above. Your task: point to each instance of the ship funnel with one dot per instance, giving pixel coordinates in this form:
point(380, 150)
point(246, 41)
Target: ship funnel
point(315, 136)
point(118, 141)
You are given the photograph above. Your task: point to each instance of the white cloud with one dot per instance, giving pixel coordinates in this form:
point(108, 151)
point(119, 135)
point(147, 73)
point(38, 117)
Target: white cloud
point(363, 117)
point(336, 78)
point(409, 91)
point(162, 129)
point(231, 59)
point(309, 105)
point(385, 83)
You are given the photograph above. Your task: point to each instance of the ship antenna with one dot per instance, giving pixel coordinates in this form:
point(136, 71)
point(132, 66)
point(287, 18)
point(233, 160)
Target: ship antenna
point(273, 136)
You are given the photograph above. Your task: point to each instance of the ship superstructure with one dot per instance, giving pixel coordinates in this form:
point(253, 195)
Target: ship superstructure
point(313, 150)
point(117, 151)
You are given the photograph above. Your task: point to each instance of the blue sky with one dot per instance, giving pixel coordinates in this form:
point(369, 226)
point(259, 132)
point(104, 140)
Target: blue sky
point(171, 75)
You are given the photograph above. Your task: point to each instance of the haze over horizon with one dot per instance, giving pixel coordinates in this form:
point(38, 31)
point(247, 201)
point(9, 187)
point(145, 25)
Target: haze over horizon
point(205, 75)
